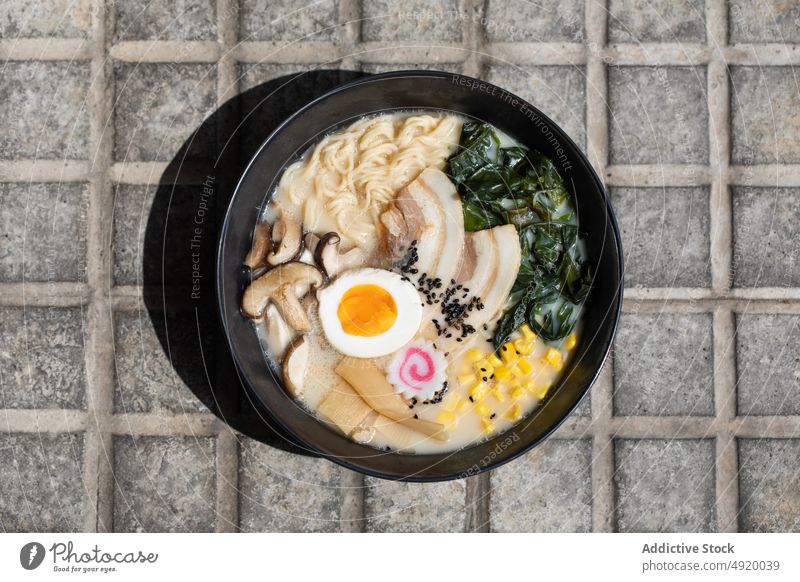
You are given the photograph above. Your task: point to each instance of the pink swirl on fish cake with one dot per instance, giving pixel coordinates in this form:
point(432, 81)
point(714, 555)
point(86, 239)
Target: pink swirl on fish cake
point(418, 371)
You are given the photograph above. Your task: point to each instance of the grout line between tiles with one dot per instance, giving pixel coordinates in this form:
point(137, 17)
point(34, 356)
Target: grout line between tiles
point(304, 52)
point(99, 348)
point(602, 466)
point(349, 18)
point(721, 252)
point(727, 489)
point(597, 136)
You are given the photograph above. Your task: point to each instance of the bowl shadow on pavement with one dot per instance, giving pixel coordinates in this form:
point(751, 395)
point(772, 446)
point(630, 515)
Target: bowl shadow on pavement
point(180, 240)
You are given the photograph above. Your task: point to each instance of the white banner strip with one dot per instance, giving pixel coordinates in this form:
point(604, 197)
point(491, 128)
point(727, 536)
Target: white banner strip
point(399, 557)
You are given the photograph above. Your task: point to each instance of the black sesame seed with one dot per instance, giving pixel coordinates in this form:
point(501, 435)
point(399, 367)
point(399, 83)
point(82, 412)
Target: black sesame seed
point(471, 399)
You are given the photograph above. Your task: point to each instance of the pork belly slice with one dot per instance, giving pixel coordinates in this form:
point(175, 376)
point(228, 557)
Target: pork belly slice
point(429, 211)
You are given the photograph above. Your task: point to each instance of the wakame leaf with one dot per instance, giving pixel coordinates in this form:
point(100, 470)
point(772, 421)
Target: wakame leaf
point(479, 147)
point(479, 217)
point(511, 321)
point(515, 158)
point(552, 324)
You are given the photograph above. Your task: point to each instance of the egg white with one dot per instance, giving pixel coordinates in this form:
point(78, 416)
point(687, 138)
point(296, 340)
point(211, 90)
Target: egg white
point(409, 313)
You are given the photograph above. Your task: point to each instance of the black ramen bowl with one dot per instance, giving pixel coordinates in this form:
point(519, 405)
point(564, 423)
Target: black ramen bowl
point(409, 90)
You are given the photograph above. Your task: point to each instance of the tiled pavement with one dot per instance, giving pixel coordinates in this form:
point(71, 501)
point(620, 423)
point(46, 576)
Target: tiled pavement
point(689, 111)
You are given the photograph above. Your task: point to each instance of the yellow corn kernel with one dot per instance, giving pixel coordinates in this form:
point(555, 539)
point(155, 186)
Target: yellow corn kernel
point(524, 366)
point(502, 373)
point(572, 341)
point(452, 400)
point(494, 360)
point(466, 379)
point(527, 332)
point(516, 372)
point(498, 394)
point(478, 392)
point(448, 419)
point(515, 412)
point(463, 405)
point(508, 354)
point(523, 346)
point(553, 357)
point(518, 392)
point(540, 391)
point(483, 368)
point(474, 355)
point(484, 410)
point(488, 425)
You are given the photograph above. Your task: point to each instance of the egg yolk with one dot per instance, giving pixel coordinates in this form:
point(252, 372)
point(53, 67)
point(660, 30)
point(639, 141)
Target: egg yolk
point(367, 310)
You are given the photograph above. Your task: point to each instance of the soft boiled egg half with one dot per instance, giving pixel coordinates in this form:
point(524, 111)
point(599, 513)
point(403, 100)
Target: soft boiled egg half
point(369, 312)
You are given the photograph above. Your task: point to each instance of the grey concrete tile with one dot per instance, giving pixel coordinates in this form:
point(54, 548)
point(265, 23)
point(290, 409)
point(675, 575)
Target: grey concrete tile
point(665, 234)
point(547, 490)
point(656, 21)
point(165, 20)
point(157, 108)
point(288, 20)
point(558, 91)
point(768, 364)
point(763, 21)
point(663, 365)
point(766, 249)
point(285, 492)
point(42, 482)
point(44, 110)
point(146, 380)
point(665, 485)
point(44, 231)
point(585, 407)
point(42, 357)
point(769, 485)
point(541, 21)
point(393, 506)
point(164, 484)
point(415, 20)
point(764, 120)
point(45, 18)
point(659, 115)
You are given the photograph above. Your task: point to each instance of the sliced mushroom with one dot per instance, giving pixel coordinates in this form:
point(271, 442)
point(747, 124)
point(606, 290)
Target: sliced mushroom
point(295, 365)
point(277, 332)
point(309, 244)
point(288, 235)
point(281, 287)
point(330, 260)
point(262, 245)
